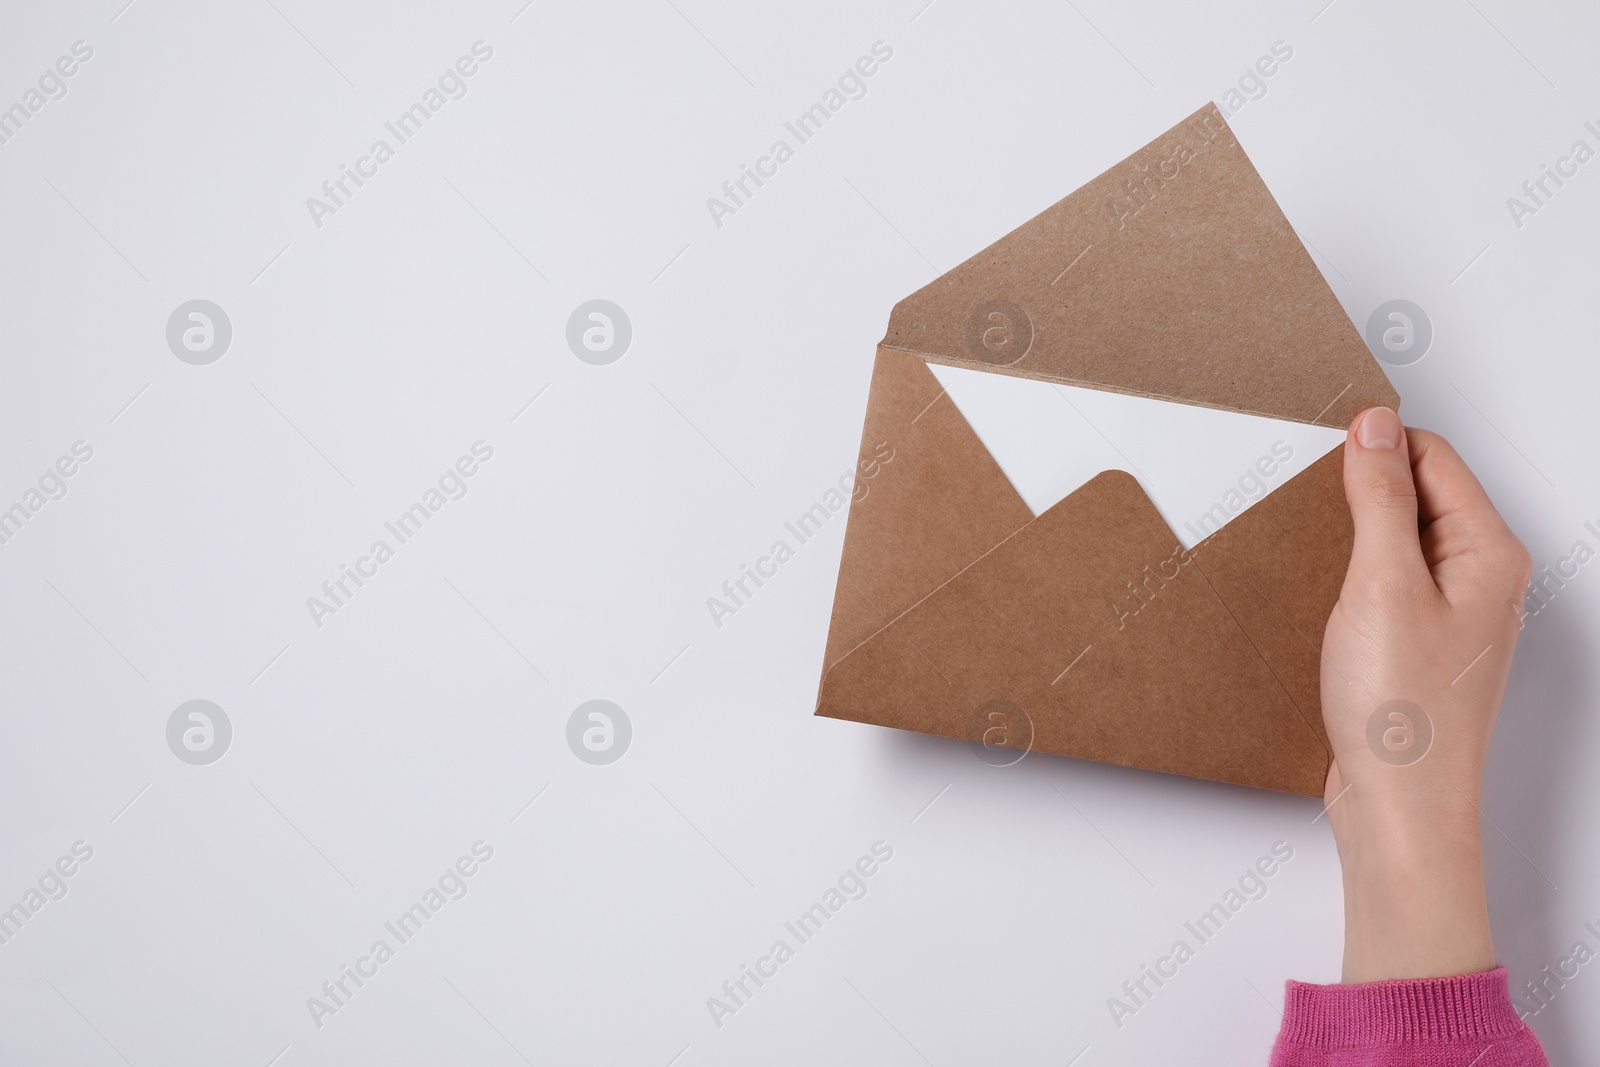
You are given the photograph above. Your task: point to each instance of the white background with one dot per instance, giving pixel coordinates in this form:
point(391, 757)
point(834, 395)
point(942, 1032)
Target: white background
point(369, 353)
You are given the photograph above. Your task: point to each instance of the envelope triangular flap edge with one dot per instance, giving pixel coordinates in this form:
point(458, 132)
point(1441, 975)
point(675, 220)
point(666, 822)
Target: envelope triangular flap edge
point(1183, 688)
point(1173, 275)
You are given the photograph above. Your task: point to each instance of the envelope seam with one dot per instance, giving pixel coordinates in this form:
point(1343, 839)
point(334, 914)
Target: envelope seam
point(1264, 661)
point(912, 607)
point(1084, 383)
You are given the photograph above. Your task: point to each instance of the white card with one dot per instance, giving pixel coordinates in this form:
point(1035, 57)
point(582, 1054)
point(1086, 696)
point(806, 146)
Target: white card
point(1201, 467)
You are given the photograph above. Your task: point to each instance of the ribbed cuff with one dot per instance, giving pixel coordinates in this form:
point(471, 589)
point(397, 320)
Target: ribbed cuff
point(1380, 1013)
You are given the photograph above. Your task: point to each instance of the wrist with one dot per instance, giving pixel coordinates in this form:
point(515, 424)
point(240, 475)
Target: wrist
point(1414, 891)
point(1398, 826)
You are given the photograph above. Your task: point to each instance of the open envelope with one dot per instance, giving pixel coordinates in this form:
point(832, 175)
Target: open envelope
point(1174, 276)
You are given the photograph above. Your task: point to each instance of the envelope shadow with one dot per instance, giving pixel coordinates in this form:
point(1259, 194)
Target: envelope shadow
point(1077, 778)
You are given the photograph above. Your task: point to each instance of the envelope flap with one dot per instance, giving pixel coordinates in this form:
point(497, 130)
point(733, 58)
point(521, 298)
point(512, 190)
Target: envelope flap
point(1099, 632)
point(928, 499)
point(1173, 275)
point(1279, 567)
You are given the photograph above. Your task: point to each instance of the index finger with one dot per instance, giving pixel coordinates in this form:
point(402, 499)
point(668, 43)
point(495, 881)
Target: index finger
point(1454, 513)
point(1445, 484)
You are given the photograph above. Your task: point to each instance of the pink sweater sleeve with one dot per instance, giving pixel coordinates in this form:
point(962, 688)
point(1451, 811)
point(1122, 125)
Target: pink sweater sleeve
point(1466, 1021)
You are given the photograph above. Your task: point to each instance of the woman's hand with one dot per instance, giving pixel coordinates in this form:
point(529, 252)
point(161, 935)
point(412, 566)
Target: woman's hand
point(1415, 659)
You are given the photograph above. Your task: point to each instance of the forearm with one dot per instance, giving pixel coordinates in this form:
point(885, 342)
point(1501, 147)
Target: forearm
point(1413, 892)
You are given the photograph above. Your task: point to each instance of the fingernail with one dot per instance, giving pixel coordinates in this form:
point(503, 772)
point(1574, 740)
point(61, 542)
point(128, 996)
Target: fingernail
point(1380, 428)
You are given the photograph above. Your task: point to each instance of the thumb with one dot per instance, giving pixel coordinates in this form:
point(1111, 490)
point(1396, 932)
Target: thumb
point(1382, 496)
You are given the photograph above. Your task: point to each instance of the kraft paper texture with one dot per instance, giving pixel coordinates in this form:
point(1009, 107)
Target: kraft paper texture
point(1088, 631)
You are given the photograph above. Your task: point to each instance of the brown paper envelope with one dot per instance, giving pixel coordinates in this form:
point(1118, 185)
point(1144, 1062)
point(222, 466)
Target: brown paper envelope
point(1173, 276)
